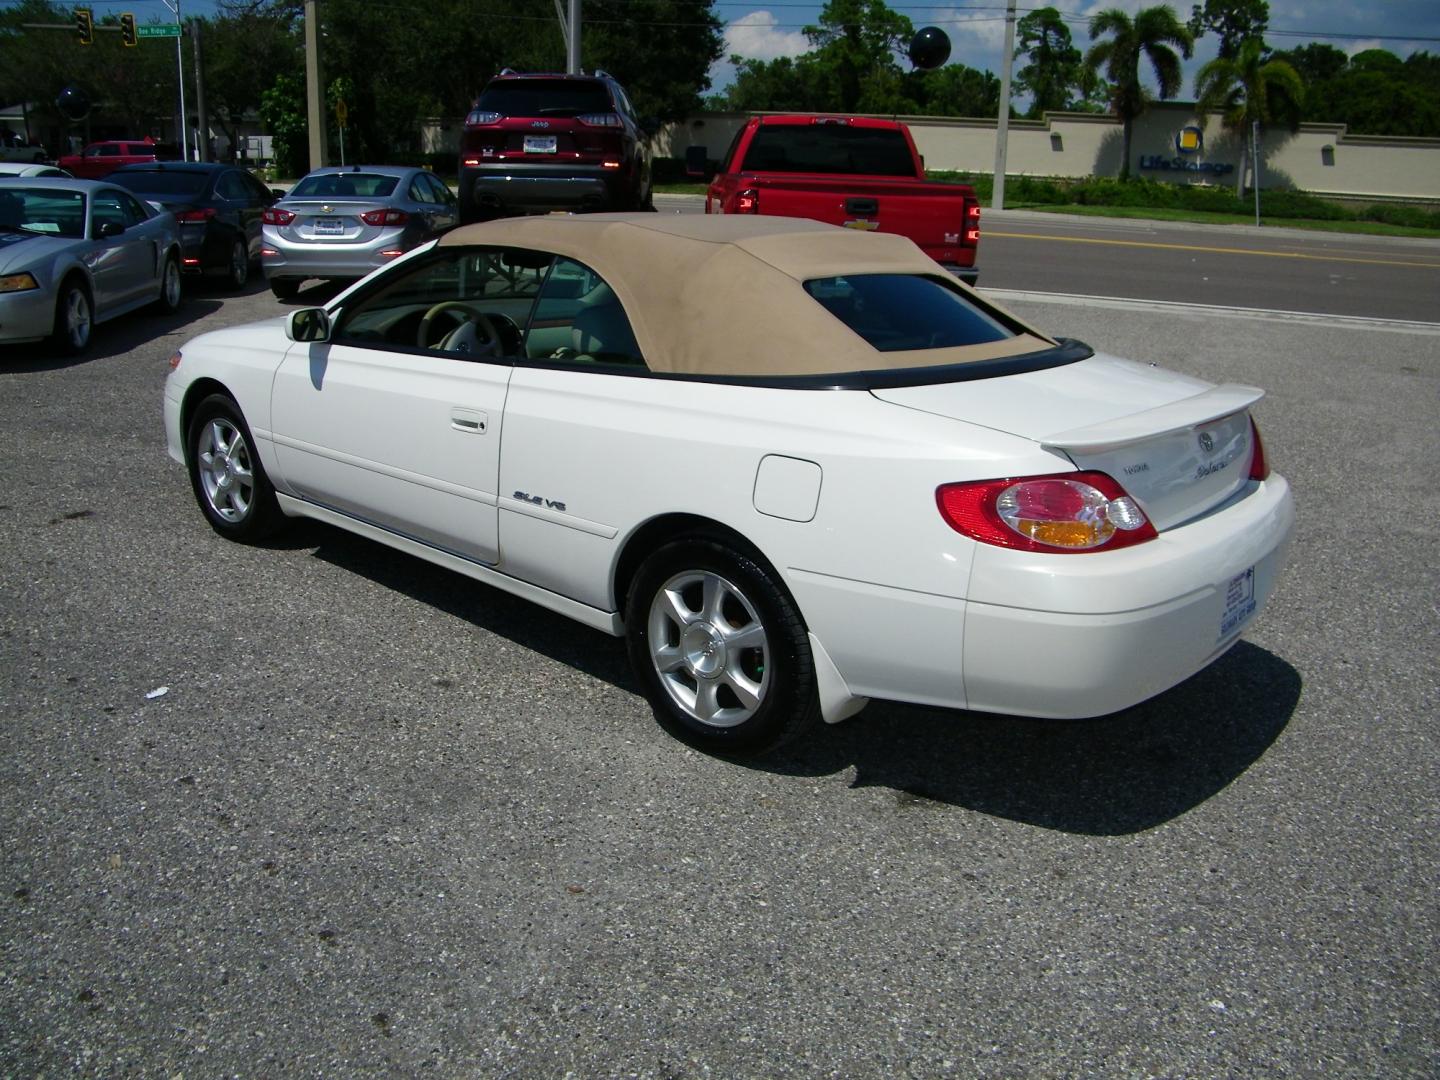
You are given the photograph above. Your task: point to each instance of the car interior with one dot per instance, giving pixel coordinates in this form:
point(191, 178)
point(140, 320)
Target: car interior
point(491, 304)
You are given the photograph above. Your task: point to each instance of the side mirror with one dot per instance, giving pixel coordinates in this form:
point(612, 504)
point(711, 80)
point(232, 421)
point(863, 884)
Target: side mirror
point(110, 228)
point(308, 324)
point(279, 193)
point(697, 163)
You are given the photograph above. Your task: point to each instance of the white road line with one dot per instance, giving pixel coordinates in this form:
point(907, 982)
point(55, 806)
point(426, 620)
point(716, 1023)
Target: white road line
point(1349, 322)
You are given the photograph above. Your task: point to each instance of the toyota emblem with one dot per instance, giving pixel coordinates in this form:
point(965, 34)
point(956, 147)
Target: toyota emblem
point(1207, 442)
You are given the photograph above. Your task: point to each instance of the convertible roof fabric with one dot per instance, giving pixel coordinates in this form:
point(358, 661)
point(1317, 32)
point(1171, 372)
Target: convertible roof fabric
point(724, 295)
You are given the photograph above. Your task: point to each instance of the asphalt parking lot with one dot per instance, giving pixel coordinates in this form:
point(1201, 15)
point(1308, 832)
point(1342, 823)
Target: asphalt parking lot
point(317, 809)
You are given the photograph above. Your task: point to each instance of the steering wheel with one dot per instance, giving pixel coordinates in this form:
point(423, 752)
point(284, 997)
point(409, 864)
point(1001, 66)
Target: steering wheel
point(475, 333)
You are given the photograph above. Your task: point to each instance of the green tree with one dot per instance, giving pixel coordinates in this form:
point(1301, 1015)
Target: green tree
point(1249, 89)
point(1056, 66)
point(1149, 35)
point(1232, 21)
point(282, 112)
point(660, 50)
point(856, 42)
point(784, 84)
point(955, 90)
point(245, 48)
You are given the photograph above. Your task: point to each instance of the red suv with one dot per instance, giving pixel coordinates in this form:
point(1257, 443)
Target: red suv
point(535, 143)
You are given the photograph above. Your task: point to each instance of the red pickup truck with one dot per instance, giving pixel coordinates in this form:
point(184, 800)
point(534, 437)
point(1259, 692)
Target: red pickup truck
point(99, 160)
point(848, 170)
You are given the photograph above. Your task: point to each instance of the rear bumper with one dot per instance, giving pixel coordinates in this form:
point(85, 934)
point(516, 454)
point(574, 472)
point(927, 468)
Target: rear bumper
point(282, 258)
point(542, 187)
point(1060, 636)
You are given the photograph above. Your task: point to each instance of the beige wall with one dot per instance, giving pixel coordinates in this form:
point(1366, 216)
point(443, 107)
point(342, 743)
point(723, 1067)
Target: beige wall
point(1320, 158)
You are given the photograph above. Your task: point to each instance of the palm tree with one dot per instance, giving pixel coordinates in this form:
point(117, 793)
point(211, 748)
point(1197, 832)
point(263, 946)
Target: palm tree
point(1247, 88)
point(1149, 35)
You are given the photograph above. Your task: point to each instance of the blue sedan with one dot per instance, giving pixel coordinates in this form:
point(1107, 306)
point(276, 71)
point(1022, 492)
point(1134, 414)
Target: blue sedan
point(74, 253)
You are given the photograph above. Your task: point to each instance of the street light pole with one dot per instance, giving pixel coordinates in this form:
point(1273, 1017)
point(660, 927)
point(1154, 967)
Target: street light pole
point(180, 68)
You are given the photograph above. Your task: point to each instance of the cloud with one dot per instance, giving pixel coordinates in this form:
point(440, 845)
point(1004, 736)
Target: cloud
point(759, 36)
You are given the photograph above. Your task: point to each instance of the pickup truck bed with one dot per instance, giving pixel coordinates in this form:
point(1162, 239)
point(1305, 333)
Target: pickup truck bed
point(859, 172)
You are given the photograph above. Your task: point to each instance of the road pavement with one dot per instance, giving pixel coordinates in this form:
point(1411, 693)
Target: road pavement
point(316, 809)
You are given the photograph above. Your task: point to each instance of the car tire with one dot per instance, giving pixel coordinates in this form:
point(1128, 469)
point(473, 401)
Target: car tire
point(74, 318)
point(238, 272)
point(284, 288)
point(226, 474)
point(172, 289)
point(719, 648)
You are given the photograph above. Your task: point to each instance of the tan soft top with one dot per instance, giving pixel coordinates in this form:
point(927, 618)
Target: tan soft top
point(723, 295)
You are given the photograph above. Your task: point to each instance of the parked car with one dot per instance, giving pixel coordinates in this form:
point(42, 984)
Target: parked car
point(219, 208)
point(857, 171)
point(342, 223)
point(20, 168)
point(99, 160)
point(15, 147)
point(541, 142)
point(794, 465)
point(74, 253)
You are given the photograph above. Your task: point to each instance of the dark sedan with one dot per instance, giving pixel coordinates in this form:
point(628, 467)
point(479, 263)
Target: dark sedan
point(218, 208)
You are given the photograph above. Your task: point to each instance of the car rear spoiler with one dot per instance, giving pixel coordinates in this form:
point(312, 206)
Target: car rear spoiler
point(1179, 415)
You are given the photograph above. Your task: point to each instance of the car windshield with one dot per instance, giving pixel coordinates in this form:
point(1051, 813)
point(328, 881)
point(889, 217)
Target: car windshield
point(903, 312)
point(545, 97)
point(829, 148)
point(43, 210)
point(343, 185)
point(189, 184)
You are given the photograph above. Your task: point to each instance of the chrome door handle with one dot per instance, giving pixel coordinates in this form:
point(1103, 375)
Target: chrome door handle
point(469, 421)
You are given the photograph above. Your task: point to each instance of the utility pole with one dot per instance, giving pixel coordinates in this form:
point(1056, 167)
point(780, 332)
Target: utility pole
point(314, 86)
point(572, 50)
point(202, 141)
point(1002, 126)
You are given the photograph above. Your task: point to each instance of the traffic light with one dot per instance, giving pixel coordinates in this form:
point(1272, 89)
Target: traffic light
point(85, 26)
point(127, 29)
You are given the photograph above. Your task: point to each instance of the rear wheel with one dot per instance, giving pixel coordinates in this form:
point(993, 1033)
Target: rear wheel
point(284, 288)
point(229, 481)
point(720, 648)
point(238, 271)
point(74, 318)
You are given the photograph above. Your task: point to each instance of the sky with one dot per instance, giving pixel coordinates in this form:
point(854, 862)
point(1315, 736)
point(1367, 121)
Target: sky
point(765, 31)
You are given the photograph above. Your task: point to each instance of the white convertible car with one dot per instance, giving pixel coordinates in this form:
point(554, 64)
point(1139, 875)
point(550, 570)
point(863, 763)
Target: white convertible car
point(795, 466)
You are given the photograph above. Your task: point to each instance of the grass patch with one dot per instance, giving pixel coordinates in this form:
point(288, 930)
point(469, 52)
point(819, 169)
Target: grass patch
point(1199, 217)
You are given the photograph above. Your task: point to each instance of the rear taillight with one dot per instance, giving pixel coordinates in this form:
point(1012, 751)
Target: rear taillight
point(1069, 512)
point(205, 213)
point(972, 223)
point(385, 217)
point(603, 119)
point(481, 118)
point(1259, 466)
point(747, 202)
point(273, 216)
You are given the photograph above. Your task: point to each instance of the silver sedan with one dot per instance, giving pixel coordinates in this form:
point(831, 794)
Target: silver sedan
point(342, 223)
point(74, 253)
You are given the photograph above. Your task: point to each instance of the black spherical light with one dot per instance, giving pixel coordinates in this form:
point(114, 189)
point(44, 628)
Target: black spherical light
point(929, 48)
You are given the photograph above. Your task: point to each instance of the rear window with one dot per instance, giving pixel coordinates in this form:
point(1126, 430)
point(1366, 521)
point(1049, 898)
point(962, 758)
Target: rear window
point(904, 312)
point(545, 97)
point(161, 183)
point(339, 185)
point(829, 148)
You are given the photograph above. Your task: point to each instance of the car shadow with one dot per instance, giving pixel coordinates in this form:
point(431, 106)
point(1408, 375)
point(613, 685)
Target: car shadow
point(113, 338)
point(1111, 776)
point(316, 293)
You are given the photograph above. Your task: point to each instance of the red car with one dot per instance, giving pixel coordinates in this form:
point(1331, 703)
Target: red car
point(100, 159)
point(860, 172)
point(541, 142)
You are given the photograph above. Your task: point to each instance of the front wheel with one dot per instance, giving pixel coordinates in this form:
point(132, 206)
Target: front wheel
point(171, 288)
point(229, 481)
point(719, 648)
point(74, 319)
